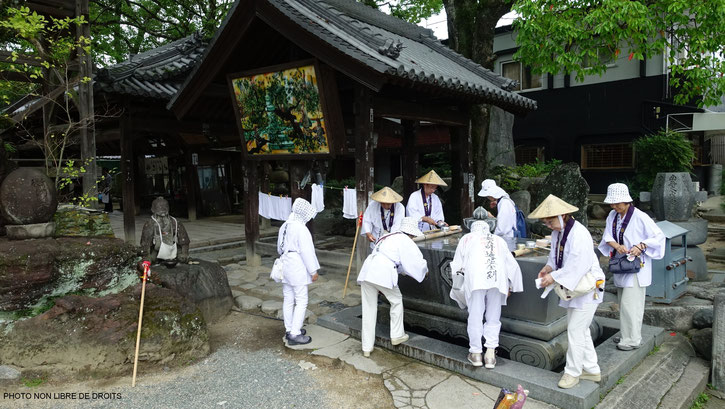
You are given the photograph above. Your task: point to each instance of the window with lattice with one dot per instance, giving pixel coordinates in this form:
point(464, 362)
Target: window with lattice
point(608, 156)
point(528, 154)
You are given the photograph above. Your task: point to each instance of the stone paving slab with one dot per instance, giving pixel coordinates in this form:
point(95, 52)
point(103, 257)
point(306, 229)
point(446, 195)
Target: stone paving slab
point(321, 338)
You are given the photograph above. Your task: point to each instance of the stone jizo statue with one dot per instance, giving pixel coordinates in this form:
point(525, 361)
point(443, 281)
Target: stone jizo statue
point(163, 238)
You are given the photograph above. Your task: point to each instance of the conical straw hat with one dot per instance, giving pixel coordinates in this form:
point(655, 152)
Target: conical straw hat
point(386, 195)
point(552, 206)
point(431, 178)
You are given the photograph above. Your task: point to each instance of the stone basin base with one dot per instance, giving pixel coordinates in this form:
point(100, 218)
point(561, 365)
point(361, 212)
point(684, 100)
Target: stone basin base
point(541, 383)
point(542, 354)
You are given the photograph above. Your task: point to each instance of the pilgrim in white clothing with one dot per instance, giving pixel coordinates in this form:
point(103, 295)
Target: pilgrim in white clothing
point(297, 253)
point(383, 215)
point(505, 211)
point(394, 253)
point(425, 205)
point(570, 259)
point(490, 273)
point(630, 230)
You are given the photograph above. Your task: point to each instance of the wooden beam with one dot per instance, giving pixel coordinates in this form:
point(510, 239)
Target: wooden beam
point(86, 111)
point(128, 165)
point(251, 210)
point(315, 46)
point(385, 107)
point(192, 185)
point(19, 77)
point(364, 157)
point(297, 171)
point(7, 56)
point(409, 157)
point(217, 54)
point(463, 177)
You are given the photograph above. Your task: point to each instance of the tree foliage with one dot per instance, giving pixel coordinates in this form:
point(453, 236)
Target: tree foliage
point(123, 27)
point(582, 36)
point(665, 151)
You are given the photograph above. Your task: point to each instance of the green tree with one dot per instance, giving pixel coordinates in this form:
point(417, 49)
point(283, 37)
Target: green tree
point(43, 56)
point(559, 36)
point(124, 27)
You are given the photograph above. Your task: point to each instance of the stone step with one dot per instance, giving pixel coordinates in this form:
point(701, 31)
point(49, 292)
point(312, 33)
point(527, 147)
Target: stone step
point(692, 382)
point(217, 246)
point(653, 378)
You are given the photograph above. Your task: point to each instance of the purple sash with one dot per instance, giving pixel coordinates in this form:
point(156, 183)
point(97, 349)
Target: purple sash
point(391, 218)
point(561, 242)
point(625, 222)
point(427, 206)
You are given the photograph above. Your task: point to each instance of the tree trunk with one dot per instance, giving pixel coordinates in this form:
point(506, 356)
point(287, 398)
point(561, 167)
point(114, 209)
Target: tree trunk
point(471, 30)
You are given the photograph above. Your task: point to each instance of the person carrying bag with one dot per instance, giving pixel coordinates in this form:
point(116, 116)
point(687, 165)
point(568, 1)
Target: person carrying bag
point(632, 240)
point(572, 261)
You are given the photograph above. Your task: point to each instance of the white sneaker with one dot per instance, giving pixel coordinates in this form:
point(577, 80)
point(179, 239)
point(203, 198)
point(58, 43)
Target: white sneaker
point(567, 381)
point(594, 377)
point(489, 359)
point(366, 354)
point(398, 341)
point(475, 359)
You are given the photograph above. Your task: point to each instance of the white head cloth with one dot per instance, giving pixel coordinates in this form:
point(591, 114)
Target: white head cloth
point(409, 225)
point(302, 211)
point(481, 226)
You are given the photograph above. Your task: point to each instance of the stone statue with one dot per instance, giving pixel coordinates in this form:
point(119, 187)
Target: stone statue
point(163, 238)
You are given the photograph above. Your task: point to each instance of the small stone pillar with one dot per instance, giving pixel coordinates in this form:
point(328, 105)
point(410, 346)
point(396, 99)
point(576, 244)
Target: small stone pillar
point(718, 342)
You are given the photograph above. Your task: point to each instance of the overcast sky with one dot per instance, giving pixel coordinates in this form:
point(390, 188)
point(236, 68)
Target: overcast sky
point(437, 23)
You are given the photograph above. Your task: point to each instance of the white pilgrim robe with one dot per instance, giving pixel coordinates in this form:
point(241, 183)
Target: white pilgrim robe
point(373, 225)
point(395, 252)
point(641, 229)
point(579, 259)
point(471, 257)
point(506, 221)
point(300, 261)
point(416, 210)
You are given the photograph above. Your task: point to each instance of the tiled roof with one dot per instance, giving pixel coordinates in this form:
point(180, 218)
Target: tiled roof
point(156, 73)
point(399, 49)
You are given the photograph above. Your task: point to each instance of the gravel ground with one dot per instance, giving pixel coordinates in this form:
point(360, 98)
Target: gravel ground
point(248, 368)
point(226, 379)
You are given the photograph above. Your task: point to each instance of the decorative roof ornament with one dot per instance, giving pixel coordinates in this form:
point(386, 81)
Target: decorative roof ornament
point(391, 48)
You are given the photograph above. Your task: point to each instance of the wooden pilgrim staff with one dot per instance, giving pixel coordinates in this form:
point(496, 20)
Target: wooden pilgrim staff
point(352, 253)
point(146, 272)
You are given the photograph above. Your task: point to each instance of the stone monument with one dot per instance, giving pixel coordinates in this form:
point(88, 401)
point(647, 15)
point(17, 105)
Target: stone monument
point(673, 198)
point(163, 238)
point(28, 201)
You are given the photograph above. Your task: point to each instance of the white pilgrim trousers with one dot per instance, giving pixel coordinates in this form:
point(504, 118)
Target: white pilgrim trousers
point(294, 307)
point(482, 302)
point(631, 312)
point(369, 292)
point(581, 354)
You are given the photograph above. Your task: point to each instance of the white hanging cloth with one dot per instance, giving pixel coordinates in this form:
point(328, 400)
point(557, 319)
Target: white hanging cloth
point(349, 203)
point(318, 198)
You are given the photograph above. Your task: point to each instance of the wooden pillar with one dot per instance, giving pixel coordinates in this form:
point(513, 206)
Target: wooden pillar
point(264, 223)
point(463, 178)
point(192, 183)
point(409, 157)
point(251, 210)
point(364, 159)
point(128, 166)
point(85, 106)
point(297, 170)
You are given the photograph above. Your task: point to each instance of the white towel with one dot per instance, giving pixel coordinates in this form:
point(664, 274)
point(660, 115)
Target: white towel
point(264, 206)
point(285, 208)
point(547, 290)
point(349, 203)
point(318, 198)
